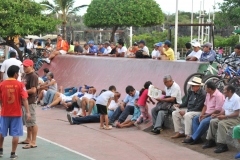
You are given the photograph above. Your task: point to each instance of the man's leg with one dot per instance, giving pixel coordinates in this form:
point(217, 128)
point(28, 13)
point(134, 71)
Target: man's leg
point(195, 123)
point(53, 54)
point(1, 144)
point(188, 121)
point(177, 124)
point(154, 114)
point(202, 127)
point(86, 119)
point(55, 102)
point(14, 143)
point(115, 115)
point(34, 135)
point(159, 120)
point(212, 130)
point(129, 110)
point(92, 103)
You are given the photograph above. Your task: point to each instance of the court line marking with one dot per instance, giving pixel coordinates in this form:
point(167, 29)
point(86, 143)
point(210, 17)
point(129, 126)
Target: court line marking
point(59, 145)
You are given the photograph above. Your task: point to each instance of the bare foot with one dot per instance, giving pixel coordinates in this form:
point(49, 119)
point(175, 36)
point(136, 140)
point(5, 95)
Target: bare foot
point(65, 104)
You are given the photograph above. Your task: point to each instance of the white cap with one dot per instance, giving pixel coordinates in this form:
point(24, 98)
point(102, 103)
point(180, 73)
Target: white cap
point(196, 44)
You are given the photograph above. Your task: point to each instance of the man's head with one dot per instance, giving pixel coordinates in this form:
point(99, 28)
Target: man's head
point(188, 46)
point(49, 40)
point(229, 90)
point(50, 75)
point(210, 87)
point(120, 44)
point(13, 54)
point(47, 44)
point(135, 44)
point(113, 45)
point(106, 44)
point(86, 46)
point(45, 71)
point(91, 43)
point(167, 44)
point(117, 95)
point(207, 47)
point(112, 88)
point(28, 66)
point(76, 44)
point(59, 37)
point(13, 71)
point(196, 84)
point(130, 91)
point(100, 45)
point(142, 43)
point(168, 81)
point(92, 91)
point(196, 46)
point(30, 39)
point(158, 46)
point(155, 47)
point(237, 49)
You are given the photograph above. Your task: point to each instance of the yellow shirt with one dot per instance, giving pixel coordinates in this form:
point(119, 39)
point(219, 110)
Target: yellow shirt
point(169, 53)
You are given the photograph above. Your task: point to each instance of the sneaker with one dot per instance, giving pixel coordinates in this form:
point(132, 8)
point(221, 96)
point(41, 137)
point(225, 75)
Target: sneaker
point(69, 117)
point(46, 108)
point(13, 156)
point(47, 60)
point(79, 112)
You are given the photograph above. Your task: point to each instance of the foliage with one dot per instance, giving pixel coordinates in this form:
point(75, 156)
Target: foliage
point(118, 13)
point(226, 42)
point(230, 10)
point(62, 9)
point(22, 17)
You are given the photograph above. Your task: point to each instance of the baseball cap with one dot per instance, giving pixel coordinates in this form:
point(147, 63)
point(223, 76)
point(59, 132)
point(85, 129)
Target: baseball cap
point(27, 63)
point(196, 44)
point(167, 42)
point(209, 45)
point(91, 42)
point(142, 41)
point(135, 44)
point(159, 44)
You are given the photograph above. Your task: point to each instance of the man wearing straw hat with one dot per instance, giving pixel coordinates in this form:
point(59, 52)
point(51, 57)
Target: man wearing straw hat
point(194, 104)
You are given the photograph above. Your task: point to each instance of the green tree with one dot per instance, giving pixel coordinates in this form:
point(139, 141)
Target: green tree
point(22, 17)
point(62, 9)
point(118, 13)
point(230, 10)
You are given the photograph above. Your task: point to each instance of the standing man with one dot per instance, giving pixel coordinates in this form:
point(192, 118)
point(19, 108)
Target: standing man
point(9, 62)
point(31, 82)
point(12, 93)
point(220, 123)
point(212, 105)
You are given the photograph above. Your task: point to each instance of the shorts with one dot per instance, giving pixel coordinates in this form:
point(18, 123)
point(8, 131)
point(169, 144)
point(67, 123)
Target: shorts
point(14, 124)
point(102, 109)
point(62, 52)
point(32, 121)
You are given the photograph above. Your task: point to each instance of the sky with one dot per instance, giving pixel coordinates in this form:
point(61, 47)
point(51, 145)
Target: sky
point(168, 6)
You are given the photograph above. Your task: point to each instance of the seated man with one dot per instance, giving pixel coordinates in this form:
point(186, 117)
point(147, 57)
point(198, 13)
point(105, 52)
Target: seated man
point(222, 122)
point(77, 49)
point(196, 53)
point(172, 94)
point(212, 105)
point(122, 112)
point(121, 51)
point(107, 50)
point(194, 103)
point(208, 54)
point(92, 48)
point(167, 53)
point(142, 46)
point(155, 52)
point(101, 49)
point(113, 52)
point(188, 48)
point(85, 49)
point(62, 48)
point(132, 50)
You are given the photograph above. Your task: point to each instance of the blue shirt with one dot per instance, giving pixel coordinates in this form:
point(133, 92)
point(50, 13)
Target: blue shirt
point(207, 57)
point(44, 78)
point(102, 50)
point(129, 99)
point(93, 49)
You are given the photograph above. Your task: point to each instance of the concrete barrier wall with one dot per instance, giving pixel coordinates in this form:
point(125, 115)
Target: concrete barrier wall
point(101, 72)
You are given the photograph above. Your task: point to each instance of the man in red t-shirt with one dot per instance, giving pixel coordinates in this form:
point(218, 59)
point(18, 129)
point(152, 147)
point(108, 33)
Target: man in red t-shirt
point(12, 95)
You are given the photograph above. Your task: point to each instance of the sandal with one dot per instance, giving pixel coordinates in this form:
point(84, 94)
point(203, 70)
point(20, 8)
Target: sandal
point(107, 128)
point(29, 147)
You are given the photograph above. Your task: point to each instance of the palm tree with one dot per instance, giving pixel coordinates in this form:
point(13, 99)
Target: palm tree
point(62, 9)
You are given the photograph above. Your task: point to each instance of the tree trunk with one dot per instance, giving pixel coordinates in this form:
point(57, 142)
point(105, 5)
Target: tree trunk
point(113, 33)
point(64, 36)
point(10, 42)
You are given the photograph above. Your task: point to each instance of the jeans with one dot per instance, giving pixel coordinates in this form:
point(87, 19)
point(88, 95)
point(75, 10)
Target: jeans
point(110, 113)
point(199, 128)
point(86, 119)
point(49, 96)
point(122, 115)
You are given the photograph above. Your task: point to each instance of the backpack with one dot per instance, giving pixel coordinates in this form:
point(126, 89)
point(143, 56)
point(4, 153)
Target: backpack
point(141, 54)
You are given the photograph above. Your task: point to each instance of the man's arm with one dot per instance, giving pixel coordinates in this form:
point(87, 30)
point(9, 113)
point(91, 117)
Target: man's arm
point(1, 78)
point(191, 58)
point(233, 115)
point(170, 99)
point(32, 90)
point(200, 102)
point(25, 103)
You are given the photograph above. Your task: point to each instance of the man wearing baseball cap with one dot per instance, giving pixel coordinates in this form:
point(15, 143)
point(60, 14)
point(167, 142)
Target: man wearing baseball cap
point(92, 48)
point(156, 52)
point(208, 54)
point(31, 82)
point(196, 53)
point(167, 50)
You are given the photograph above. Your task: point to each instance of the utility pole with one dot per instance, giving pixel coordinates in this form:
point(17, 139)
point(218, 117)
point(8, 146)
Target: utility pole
point(131, 36)
point(192, 23)
point(176, 32)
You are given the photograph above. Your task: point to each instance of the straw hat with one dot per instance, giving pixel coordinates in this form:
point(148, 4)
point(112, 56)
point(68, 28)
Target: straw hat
point(196, 82)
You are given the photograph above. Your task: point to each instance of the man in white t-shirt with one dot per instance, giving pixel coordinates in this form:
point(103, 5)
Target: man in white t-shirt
point(196, 53)
point(108, 49)
point(156, 53)
point(142, 46)
point(9, 62)
point(30, 46)
point(223, 121)
point(121, 49)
